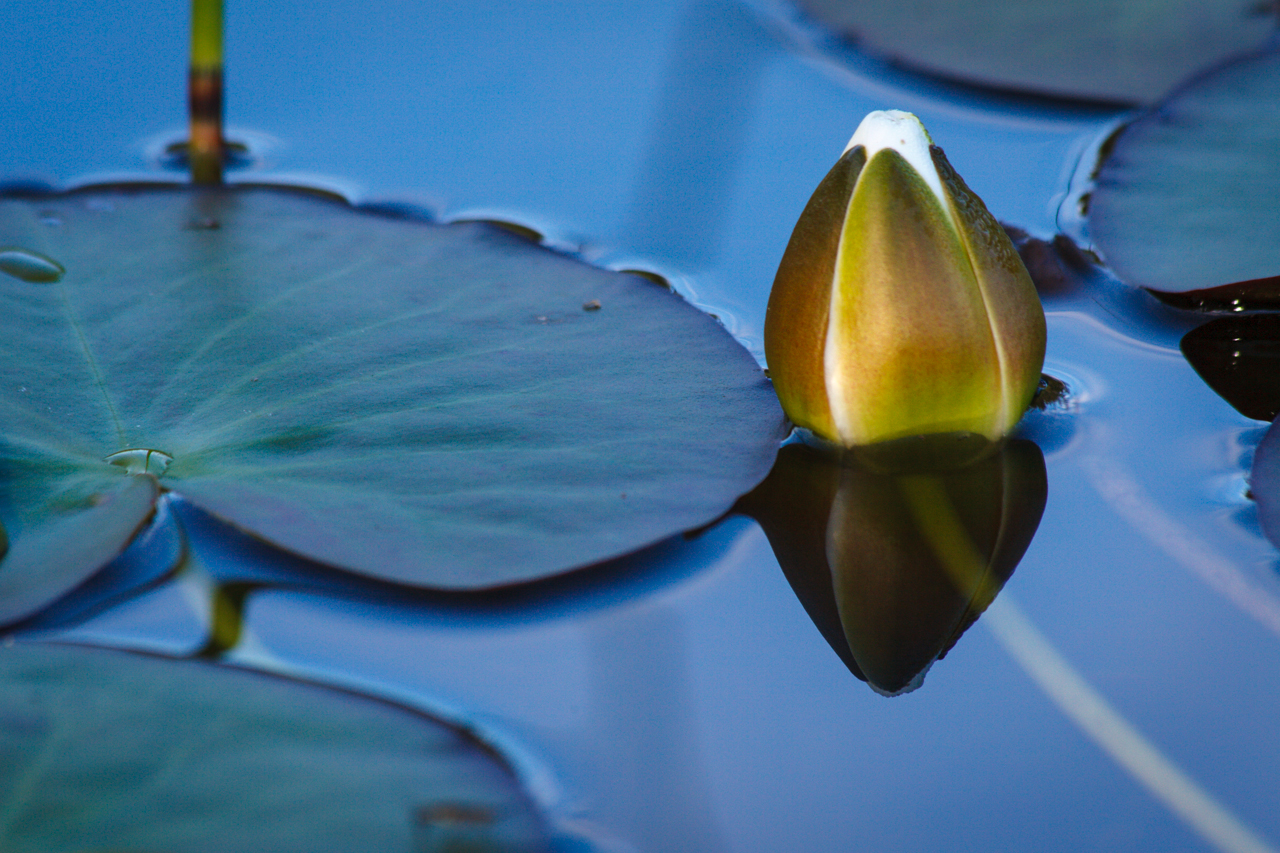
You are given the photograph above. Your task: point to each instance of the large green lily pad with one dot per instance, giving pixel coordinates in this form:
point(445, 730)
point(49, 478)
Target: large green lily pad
point(446, 406)
point(1110, 50)
point(1187, 199)
point(104, 750)
point(66, 550)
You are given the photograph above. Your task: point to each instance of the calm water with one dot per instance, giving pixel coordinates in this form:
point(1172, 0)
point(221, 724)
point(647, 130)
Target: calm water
point(1118, 695)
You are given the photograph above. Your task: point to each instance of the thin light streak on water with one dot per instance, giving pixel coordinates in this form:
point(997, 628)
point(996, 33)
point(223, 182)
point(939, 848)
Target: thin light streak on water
point(1115, 735)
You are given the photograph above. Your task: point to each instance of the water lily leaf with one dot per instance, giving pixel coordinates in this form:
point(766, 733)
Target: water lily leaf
point(446, 406)
point(1186, 199)
point(66, 547)
point(156, 552)
point(1264, 483)
point(1110, 50)
point(104, 750)
point(1239, 358)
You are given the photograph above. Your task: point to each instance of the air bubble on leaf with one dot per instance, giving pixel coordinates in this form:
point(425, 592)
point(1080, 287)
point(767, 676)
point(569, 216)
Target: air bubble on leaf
point(30, 266)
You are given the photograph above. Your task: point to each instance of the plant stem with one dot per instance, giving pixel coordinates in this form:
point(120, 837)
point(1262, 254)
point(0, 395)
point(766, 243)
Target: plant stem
point(204, 93)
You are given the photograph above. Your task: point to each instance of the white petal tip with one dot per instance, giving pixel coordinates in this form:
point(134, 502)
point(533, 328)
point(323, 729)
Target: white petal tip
point(904, 133)
point(890, 129)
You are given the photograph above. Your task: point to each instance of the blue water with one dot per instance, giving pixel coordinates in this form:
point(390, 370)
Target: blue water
point(684, 700)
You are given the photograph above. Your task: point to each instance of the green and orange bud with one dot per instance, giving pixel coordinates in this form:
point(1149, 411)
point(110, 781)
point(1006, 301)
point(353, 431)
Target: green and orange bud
point(901, 307)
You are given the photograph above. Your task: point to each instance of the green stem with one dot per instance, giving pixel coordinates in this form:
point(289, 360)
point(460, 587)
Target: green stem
point(204, 93)
point(226, 619)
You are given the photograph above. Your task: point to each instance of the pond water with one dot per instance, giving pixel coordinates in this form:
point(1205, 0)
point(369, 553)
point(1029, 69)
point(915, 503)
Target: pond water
point(1117, 695)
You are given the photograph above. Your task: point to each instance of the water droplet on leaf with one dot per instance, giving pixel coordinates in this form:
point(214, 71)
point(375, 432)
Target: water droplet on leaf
point(30, 266)
point(140, 460)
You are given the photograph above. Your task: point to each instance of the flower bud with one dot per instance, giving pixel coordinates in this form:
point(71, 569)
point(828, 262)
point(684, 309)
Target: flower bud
point(900, 307)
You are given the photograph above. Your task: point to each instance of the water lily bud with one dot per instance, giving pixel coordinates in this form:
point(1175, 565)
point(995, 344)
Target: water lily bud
point(900, 307)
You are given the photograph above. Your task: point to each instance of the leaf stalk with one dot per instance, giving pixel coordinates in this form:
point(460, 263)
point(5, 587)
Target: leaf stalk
point(206, 147)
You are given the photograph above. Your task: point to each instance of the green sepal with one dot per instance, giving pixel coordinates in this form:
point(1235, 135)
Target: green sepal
point(1013, 306)
point(795, 323)
point(911, 345)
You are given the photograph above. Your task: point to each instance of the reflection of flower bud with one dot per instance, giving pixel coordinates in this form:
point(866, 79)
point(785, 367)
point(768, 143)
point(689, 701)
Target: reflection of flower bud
point(893, 568)
point(900, 307)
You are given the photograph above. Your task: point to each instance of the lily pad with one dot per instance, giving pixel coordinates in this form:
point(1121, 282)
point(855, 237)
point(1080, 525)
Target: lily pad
point(1108, 50)
point(1264, 483)
point(1239, 358)
point(445, 406)
point(1186, 200)
point(66, 549)
point(105, 750)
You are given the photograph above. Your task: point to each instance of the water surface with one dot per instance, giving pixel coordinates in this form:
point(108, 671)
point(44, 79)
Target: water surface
point(684, 699)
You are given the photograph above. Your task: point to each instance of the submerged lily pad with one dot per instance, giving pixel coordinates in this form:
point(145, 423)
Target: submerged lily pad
point(1110, 50)
point(105, 750)
point(445, 406)
point(1186, 200)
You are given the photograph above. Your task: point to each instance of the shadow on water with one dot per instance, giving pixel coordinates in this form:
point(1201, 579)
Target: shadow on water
point(184, 545)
